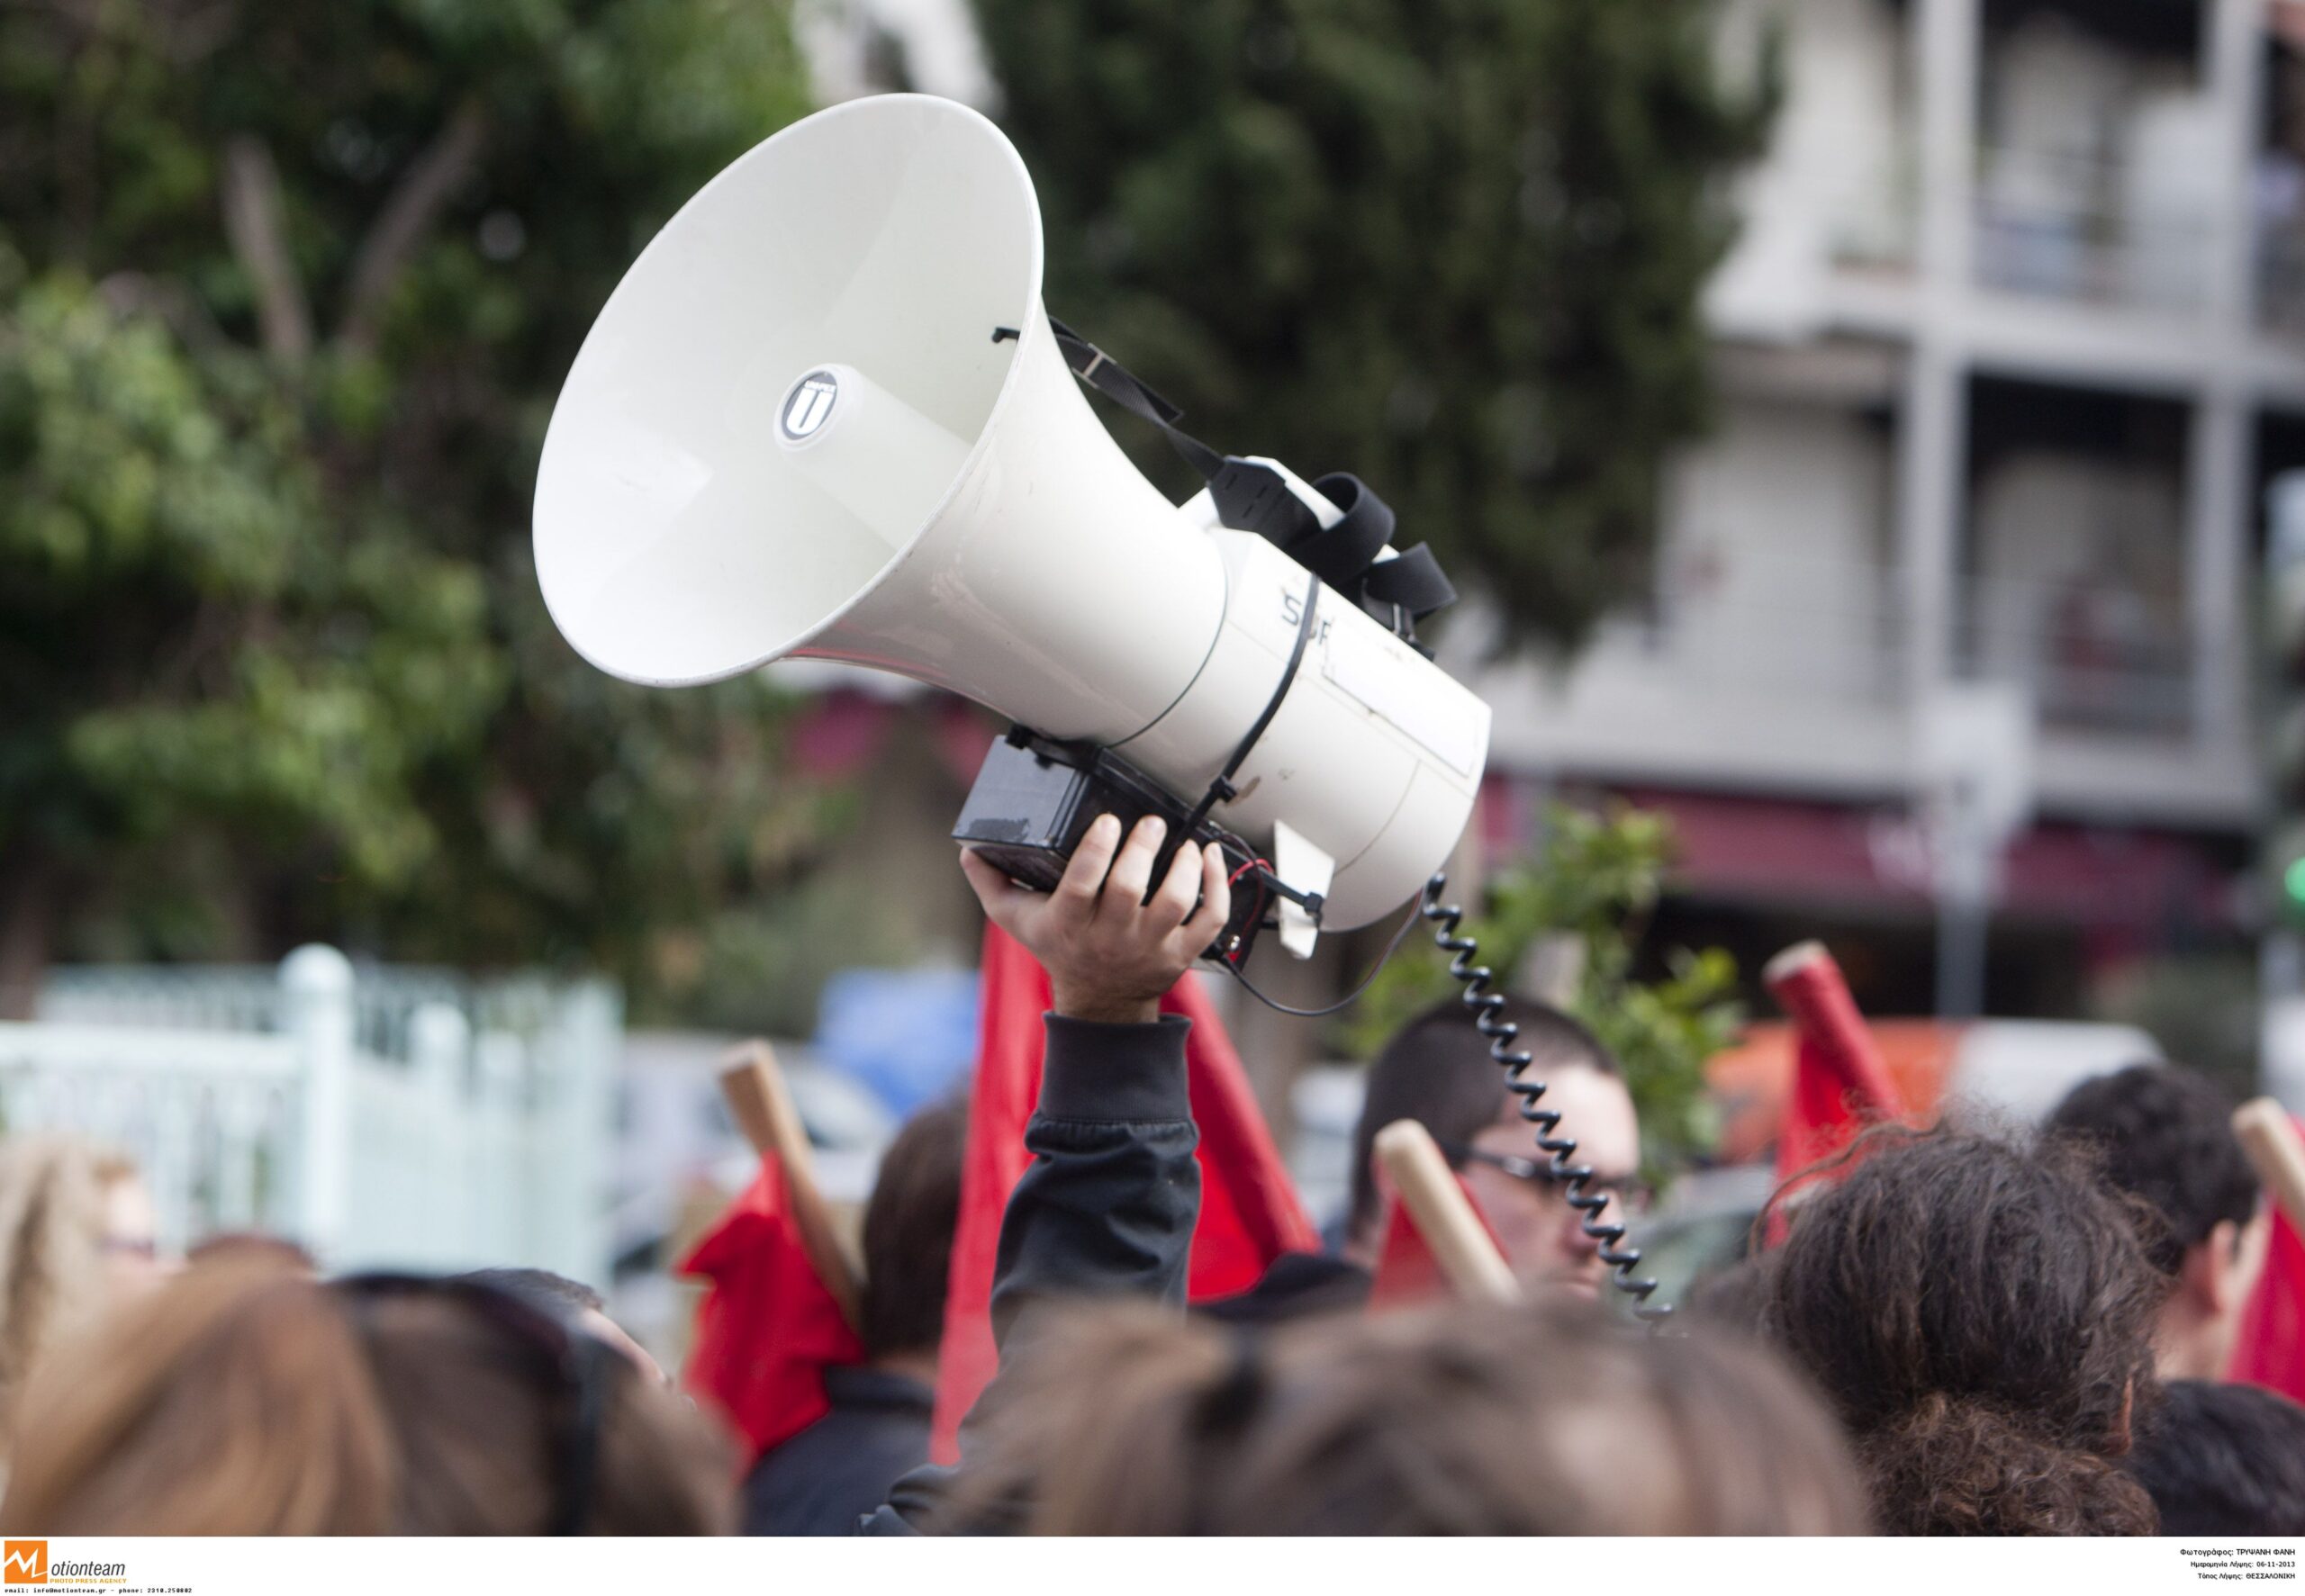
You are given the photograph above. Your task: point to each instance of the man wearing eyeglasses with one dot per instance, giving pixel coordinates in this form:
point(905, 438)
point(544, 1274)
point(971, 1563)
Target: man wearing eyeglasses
point(1438, 1072)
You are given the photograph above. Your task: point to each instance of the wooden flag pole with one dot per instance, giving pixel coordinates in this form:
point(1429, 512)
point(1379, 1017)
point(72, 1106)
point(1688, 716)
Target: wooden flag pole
point(2269, 1136)
point(762, 1107)
point(1427, 1187)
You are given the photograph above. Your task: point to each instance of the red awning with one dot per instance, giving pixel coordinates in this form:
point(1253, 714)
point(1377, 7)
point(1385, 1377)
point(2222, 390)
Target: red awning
point(1800, 852)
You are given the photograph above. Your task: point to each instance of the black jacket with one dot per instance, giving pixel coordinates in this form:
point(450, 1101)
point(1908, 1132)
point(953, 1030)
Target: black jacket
point(838, 1469)
point(1105, 1209)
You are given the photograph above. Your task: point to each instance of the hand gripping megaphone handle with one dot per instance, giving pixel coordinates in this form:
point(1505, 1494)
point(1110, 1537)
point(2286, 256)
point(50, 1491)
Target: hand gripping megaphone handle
point(1100, 783)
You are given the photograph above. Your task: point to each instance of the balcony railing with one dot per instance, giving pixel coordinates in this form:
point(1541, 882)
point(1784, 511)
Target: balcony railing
point(2093, 230)
point(1791, 628)
point(2095, 660)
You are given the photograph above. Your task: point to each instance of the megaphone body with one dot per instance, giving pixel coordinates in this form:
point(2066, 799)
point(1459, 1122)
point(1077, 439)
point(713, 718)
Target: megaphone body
point(825, 416)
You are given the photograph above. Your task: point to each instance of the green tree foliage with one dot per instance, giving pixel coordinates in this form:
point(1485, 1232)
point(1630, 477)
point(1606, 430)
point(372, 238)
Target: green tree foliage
point(1452, 246)
point(1593, 882)
point(286, 291)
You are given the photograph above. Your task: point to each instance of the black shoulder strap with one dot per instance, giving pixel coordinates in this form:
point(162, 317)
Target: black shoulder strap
point(1254, 498)
point(1117, 382)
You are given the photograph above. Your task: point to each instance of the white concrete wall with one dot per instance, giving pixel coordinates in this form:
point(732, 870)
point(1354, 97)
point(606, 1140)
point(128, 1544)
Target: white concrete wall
point(1836, 188)
point(1792, 638)
point(1769, 657)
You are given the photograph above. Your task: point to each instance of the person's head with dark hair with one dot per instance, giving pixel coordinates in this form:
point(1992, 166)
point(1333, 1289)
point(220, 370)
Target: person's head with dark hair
point(1980, 1315)
point(548, 1291)
point(2164, 1135)
point(908, 1225)
point(2220, 1459)
point(573, 1299)
point(1734, 1297)
point(1547, 1419)
point(1437, 1071)
point(819, 1480)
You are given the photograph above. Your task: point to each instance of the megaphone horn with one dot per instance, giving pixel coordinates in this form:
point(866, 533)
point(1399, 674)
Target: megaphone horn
point(794, 431)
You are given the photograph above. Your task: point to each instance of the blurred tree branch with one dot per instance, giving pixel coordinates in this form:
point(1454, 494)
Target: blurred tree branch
point(256, 222)
point(416, 203)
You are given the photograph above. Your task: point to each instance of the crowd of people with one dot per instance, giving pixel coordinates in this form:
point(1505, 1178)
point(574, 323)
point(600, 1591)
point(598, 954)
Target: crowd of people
point(1958, 1333)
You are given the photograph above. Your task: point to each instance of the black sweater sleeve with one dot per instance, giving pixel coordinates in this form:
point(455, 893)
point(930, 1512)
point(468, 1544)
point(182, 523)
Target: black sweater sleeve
point(1105, 1208)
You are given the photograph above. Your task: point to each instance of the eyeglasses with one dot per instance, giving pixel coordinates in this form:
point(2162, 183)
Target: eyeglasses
point(1628, 1193)
point(581, 1367)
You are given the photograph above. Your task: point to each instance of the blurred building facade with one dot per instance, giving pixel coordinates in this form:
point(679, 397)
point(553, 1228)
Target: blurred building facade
point(2009, 346)
point(2011, 343)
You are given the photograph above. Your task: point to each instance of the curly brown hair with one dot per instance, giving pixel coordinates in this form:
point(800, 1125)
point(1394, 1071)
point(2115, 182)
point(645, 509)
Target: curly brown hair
point(1980, 1314)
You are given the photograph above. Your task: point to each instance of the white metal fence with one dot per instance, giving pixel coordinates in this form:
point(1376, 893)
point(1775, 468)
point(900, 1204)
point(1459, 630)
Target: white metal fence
point(382, 1117)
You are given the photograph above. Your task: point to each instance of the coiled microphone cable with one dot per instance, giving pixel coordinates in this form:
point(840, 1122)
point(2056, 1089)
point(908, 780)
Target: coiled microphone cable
point(1573, 1177)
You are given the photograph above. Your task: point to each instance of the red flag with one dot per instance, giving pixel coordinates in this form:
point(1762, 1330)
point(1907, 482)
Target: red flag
point(1249, 1211)
point(1841, 1083)
point(2269, 1348)
point(767, 1329)
point(1408, 1273)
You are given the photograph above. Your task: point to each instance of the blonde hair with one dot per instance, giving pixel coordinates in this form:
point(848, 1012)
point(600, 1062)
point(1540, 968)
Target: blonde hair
point(53, 1283)
point(246, 1398)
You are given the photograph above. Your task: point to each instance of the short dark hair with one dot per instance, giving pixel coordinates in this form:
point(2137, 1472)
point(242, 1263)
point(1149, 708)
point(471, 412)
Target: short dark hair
point(909, 1232)
point(556, 1296)
point(2165, 1135)
point(1436, 1071)
point(2223, 1460)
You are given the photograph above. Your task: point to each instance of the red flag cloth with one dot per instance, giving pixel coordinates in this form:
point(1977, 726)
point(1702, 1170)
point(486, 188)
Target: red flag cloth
point(2269, 1348)
point(1408, 1273)
point(1249, 1211)
point(767, 1329)
point(1841, 1083)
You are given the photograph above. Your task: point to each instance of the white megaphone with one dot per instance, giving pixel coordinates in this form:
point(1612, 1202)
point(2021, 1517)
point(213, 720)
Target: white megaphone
point(803, 425)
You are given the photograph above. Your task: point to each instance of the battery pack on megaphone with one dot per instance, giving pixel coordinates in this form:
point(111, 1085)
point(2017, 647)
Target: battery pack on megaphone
point(825, 415)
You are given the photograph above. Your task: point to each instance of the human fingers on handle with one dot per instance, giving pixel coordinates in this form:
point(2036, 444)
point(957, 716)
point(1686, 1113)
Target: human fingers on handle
point(1133, 871)
point(1201, 931)
point(1179, 889)
point(1075, 897)
point(1004, 901)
